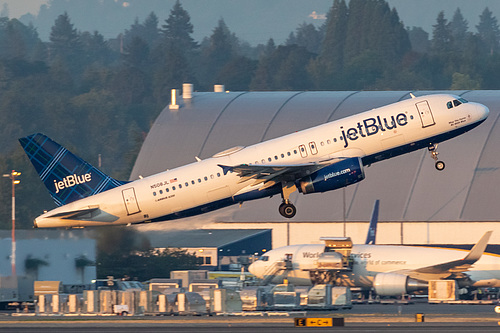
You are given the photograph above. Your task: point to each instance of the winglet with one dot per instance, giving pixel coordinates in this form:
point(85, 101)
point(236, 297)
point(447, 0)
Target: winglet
point(477, 251)
point(225, 168)
point(372, 228)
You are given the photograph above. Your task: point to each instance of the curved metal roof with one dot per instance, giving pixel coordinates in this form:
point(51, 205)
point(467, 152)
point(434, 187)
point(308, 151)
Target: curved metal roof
point(408, 186)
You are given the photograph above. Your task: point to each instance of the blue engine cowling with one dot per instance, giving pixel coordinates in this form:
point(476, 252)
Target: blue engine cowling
point(332, 177)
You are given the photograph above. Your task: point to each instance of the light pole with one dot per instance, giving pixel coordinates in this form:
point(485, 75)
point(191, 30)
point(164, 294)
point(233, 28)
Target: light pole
point(15, 181)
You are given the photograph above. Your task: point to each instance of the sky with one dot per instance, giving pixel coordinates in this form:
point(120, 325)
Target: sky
point(275, 18)
point(21, 7)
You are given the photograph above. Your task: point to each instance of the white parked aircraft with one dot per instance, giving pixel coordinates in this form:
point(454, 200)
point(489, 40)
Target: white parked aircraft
point(319, 159)
point(392, 270)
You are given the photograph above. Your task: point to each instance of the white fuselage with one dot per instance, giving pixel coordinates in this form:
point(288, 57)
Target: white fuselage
point(369, 260)
point(202, 186)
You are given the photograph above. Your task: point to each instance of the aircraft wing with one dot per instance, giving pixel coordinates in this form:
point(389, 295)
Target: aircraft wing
point(454, 267)
point(275, 173)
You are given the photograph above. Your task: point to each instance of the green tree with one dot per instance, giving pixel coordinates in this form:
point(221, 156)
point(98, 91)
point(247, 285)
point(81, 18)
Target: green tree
point(64, 41)
point(237, 73)
point(419, 40)
point(459, 31)
point(219, 50)
point(285, 69)
point(147, 31)
point(489, 32)
point(329, 65)
point(441, 37)
point(307, 36)
point(464, 82)
point(136, 53)
point(178, 29)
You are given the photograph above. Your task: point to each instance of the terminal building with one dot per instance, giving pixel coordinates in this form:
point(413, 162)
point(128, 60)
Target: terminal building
point(418, 204)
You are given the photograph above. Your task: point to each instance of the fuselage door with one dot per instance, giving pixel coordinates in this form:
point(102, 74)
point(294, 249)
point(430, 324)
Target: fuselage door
point(130, 201)
point(303, 151)
point(424, 111)
point(314, 149)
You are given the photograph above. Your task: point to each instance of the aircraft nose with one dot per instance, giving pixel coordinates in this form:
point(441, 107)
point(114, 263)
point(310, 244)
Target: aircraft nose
point(253, 268)
point(483, 111)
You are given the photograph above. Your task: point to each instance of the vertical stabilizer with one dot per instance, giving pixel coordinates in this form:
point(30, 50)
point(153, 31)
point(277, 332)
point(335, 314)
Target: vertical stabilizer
point(67, 177)
point(372, 228)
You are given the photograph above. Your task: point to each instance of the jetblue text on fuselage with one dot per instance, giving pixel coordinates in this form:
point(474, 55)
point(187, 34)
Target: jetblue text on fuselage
point(371, 126)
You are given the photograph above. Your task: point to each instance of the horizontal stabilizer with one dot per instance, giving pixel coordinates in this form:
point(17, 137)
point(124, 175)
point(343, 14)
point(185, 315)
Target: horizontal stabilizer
point(75, 214)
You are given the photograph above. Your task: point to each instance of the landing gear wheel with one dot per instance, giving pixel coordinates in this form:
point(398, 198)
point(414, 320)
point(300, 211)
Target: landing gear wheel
point(440, 165)
point(287, 210)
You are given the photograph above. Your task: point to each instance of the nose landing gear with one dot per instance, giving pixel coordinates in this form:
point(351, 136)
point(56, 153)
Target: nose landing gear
point(434, 153)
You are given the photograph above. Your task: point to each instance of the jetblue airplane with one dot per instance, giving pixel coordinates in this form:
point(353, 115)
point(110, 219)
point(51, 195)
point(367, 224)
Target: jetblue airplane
point(319, 159)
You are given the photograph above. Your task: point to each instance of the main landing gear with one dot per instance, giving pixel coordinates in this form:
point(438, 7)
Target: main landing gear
point(287, 209)
point(433, 150)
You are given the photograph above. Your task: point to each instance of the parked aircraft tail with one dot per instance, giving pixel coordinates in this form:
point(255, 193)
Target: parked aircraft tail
point(372, 228)
point(66, 176)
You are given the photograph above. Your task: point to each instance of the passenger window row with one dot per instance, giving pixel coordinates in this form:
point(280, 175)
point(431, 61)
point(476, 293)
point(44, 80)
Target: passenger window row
point(295, 152)
point(186, 184)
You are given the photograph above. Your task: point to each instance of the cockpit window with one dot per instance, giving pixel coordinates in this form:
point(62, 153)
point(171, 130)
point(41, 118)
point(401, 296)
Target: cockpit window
point(456, 102)
point(264, 258)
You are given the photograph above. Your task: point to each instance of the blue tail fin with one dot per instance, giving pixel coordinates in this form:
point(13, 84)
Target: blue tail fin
point(372, 229)
point(67, 177)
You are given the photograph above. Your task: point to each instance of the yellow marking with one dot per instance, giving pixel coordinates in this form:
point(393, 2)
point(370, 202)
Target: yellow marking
point(314, 322)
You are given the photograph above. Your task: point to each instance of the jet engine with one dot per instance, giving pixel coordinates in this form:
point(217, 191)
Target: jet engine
point(332, 177)
point(394, 284)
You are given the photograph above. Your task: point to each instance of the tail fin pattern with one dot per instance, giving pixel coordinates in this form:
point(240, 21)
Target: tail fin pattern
point(67, 177)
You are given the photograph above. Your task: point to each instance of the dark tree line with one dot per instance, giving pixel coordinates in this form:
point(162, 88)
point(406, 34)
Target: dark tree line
point(78, 86)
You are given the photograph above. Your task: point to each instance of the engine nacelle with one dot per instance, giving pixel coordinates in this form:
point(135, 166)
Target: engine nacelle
point(394, 284)
point(338, 175)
